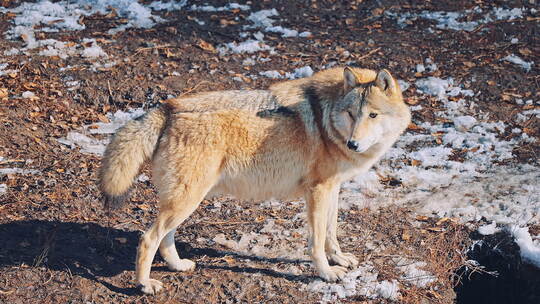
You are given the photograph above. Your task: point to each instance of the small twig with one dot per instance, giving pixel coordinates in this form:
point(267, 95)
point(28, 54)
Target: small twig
point(193, 88)
point(481, 26)
point(109, 88)
point(227, 223)
point(220, 33)
point(165, 46)
point(6, 292)
point(300, 54)
point(368, 54)
point(9, 161)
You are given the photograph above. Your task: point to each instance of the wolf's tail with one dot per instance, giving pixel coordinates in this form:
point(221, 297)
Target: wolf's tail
point(129, 148)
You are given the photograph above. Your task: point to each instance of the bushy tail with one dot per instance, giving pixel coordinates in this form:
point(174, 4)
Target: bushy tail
point(129, 148)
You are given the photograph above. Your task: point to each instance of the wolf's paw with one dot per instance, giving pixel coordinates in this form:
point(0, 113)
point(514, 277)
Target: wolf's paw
point(182, 265)
point(344, 259)
point(151, 286)
point(333, 273)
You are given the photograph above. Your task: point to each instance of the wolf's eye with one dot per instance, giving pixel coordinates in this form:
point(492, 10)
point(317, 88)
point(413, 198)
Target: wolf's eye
point(373, 115)
point(350, 115)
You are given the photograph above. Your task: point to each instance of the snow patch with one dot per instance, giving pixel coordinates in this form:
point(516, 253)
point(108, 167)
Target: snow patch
point(167, 6)
point(441, 88)
point(6, 171)
point(530, 250)
point(248, 46)
point(517, 60)
point(3, 70)
point(403, 85)
point(94, 50)
point(451, 20)
point(413, 272)
point(261, 19)
point(488, 229)
point(228, 7)
point(85, 140)
point(361, 282)
point(46, 16)
point(28, 94)
point(302, 72)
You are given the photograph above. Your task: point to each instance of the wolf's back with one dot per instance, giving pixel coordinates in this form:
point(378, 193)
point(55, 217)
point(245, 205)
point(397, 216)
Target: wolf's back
point(129, 148)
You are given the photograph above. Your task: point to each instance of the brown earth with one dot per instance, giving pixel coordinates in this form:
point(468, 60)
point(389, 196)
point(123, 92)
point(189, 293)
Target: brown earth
point(57, 244)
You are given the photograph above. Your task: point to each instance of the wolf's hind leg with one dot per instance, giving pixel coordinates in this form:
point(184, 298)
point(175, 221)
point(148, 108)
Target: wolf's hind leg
point(168, 251)
point(178, 200)
point(166, 222)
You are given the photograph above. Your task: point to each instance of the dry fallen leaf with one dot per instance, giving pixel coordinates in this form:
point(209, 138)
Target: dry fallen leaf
point(225, 22)
point(506, 97)
point(413, 126)
point(422, 218)
point(3, 92)
point(444, 220)
point(528, 131)
point(29, 85)
point(525, 51)
point(206, 46)
point(405, 236)
point(228, 259)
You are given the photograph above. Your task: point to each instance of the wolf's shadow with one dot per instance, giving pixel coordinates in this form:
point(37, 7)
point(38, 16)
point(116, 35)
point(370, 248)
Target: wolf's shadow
point(92, 251)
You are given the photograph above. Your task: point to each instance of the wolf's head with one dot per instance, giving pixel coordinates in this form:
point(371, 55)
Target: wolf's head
point(370, 113)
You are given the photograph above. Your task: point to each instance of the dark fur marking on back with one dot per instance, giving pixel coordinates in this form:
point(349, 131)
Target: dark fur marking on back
point(311, 95)
point(281, 111)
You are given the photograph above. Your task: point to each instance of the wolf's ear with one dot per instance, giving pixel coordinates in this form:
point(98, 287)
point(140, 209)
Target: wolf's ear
point(386, 83)
point(350, 80)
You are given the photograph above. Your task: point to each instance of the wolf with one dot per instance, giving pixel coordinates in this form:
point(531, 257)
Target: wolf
point(298, 138)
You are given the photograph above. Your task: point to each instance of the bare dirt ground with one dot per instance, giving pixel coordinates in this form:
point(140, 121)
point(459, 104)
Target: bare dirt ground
point(58, 245)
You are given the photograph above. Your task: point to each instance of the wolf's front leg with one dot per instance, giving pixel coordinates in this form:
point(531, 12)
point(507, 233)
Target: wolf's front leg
point(333, 251)
point(318, 203)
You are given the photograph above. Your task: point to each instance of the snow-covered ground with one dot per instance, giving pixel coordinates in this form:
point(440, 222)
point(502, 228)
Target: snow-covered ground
point(452, 20)
point(479, 186)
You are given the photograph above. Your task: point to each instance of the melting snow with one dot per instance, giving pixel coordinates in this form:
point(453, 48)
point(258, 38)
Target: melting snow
point(228, 7)
point(297, 73)
point(28, 94)
point(6, 171)
point(488, 229)
point(530, 250)
point(261, 19)
point(451, 20)
point(361, 281)
point(47, 16)
point(94, 50)
point(91, 145)
point(3, 71)
point(517, 60)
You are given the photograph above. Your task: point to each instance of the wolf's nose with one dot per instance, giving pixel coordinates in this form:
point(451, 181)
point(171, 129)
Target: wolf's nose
point(352, 144)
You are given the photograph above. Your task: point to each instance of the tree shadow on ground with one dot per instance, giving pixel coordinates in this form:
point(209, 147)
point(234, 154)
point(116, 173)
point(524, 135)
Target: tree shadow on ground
point(92, 251)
